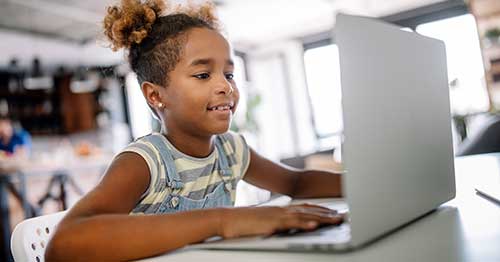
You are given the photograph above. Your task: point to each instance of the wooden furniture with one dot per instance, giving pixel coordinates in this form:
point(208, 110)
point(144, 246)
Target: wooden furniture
point(487, 14)
point(56, 110)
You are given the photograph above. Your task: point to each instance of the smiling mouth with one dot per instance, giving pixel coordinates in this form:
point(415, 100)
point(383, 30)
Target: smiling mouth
point(221, 107)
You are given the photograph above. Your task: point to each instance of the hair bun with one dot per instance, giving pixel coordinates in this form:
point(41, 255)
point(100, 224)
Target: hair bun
point(131, 22)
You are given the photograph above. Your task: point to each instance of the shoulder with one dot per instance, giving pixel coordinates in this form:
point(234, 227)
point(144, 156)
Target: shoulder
point(148, 141)
point(236, 148)
point(233, 139)
point(122, 186)
point(147, 137)
point(234, 142)
point(21, 136)
point(21, 133)
point(147, 148)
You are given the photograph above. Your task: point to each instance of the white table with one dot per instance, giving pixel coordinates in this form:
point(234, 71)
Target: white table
point(464, 229)
point(49, 164)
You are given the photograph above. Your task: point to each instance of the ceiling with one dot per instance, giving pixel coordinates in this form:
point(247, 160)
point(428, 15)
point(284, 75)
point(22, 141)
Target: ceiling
point(246, 22)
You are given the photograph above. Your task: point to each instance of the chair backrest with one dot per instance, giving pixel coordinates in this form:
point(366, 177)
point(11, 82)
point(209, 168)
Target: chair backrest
point(30, 237)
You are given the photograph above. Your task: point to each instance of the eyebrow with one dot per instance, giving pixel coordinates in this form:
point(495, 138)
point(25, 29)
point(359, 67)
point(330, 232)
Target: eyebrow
point(207, 61)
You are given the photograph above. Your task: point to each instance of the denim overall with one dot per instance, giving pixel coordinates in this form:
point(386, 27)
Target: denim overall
point(220, 196)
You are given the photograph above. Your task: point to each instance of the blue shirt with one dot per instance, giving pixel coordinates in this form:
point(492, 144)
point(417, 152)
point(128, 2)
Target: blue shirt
point(19, 138)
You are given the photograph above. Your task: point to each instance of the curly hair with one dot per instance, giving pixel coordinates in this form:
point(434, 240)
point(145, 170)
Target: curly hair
point(154, 41)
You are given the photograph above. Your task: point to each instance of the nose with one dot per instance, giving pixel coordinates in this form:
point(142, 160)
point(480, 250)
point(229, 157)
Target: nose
point(224, 87)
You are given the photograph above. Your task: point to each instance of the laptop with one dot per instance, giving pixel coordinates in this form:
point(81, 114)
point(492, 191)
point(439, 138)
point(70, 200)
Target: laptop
point(397, 149)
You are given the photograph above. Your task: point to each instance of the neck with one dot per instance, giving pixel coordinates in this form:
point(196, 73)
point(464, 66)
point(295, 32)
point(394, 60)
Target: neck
point(192, 145)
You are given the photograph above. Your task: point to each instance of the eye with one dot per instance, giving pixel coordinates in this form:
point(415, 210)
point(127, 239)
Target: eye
point(229, 76)
point(202, 76)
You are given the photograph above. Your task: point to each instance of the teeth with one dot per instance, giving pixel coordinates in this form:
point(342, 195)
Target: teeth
point(220, 108)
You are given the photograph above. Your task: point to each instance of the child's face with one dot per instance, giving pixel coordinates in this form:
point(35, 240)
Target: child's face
point(201, 96)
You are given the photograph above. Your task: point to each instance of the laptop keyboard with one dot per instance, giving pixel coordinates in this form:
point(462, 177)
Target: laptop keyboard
point(332, 230)
point(326, 238)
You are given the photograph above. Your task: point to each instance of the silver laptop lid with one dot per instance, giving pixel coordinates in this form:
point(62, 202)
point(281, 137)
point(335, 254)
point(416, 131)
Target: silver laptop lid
point(397, 147)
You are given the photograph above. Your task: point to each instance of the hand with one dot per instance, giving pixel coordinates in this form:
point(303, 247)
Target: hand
point(251, 221)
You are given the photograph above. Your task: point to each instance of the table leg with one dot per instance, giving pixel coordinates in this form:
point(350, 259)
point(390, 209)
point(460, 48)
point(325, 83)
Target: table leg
point(20, 195)
point(62, 191)
point(29, 211)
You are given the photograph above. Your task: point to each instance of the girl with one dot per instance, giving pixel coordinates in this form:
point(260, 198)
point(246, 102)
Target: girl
point(183, 178)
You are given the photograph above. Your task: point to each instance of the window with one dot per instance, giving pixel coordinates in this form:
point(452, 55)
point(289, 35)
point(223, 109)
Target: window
point(323, 82)
point(242, 120)
point(240, 79)
point(468, 93)
point(465, 67)
point(139, 111)
point(239, 71)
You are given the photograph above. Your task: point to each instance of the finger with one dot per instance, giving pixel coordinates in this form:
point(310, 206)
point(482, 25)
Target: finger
point(298, 223)
point(317, 208)
point(308, 205)
point(323, 211)
point(313, 210)
point(319, 214)
point(322, 219)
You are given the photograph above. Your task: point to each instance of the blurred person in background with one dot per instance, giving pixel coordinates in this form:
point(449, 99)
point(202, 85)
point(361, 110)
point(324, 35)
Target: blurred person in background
point(14, 142)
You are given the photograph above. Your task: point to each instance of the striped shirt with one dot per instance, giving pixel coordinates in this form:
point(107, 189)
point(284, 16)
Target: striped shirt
point(199, 175)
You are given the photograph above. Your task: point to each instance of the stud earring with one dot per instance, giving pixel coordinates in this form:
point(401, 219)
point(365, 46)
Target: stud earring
point(160, 105)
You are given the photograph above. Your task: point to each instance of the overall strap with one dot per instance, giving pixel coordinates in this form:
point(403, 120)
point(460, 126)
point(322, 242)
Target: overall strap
point(173, 179)
point(225, 170)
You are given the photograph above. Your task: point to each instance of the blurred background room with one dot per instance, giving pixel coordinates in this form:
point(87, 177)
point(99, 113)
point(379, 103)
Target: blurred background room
point(79, 104)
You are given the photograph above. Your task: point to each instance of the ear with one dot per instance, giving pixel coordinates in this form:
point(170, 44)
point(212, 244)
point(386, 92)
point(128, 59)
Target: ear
point(152, 94)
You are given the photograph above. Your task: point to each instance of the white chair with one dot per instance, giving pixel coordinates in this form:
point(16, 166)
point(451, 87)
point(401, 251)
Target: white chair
point(30, 237)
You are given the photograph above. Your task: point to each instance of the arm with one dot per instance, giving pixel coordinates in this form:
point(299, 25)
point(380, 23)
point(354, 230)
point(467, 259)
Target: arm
point(289, 181)
point(24, 147)
point(99, 228)
point(21, 152)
